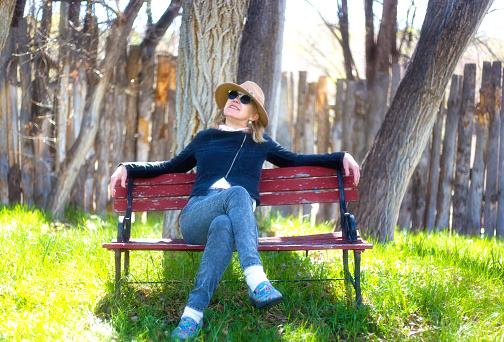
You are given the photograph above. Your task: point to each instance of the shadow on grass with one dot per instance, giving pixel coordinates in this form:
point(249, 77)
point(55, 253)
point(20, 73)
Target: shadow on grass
point(316, 311)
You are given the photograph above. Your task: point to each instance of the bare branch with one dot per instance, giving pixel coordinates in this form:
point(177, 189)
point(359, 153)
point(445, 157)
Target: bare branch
point(330, 26)
point(156, 32)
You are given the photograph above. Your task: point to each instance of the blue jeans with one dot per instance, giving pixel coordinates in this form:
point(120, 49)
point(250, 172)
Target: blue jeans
point(221, 220)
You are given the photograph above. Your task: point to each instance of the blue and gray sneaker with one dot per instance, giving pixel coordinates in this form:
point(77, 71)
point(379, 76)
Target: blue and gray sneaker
point(186, 329)
point(265, 295)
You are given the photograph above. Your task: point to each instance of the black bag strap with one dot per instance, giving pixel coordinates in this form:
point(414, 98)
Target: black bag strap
point(126, 232)
point(341, 187)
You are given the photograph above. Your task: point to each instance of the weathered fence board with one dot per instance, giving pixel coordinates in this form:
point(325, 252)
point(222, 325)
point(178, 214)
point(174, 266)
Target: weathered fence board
point(464, 145)
point(478, 169)
point(130, 117)
point(4, 138)
point(11, 67)
point(433, 172)
point(444, 194)
point(419, 190)
point(25, 124)
point(500, 207)
point(494, 107)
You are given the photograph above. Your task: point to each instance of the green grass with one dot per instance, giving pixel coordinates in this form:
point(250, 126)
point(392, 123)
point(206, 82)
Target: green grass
point(56, 284)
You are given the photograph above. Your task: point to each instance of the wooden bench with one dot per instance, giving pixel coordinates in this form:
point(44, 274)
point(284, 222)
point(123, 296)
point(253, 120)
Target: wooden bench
point(280, 186)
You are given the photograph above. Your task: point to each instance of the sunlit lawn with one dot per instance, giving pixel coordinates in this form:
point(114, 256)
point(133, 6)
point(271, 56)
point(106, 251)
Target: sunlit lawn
point(56, 284)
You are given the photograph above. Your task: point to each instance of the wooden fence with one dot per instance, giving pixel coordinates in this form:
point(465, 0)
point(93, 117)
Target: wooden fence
point(455, 185)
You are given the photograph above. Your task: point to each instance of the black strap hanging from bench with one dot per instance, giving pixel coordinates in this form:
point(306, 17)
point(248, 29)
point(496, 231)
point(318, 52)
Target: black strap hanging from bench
point(348, 225)
point(124, 227)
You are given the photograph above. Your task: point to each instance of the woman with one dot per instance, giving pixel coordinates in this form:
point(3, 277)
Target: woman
point(220, 212)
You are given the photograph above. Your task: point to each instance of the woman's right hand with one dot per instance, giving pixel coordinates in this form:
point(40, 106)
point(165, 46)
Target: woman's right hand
point(120, 174)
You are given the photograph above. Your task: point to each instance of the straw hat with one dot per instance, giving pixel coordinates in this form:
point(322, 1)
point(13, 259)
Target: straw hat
point(250, 88)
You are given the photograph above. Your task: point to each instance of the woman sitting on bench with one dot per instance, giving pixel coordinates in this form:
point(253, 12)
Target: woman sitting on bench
point(220, 212)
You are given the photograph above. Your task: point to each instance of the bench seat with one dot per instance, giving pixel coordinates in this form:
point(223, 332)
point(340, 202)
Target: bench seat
point(333, 240)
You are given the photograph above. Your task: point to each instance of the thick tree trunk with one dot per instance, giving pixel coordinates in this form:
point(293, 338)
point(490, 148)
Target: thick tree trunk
point(260, 58)
point(349, 115)
point(6, 12)
point(408, 123)
point(464, 143)
point(84, 80)
point(376, 107)
point(210, 36)
point(350, 68)
point(77, 154)
point(386, 36)
point(337, 127)
point(444, 195)
point(360, 146)
point(379, 53)
point(491, 192)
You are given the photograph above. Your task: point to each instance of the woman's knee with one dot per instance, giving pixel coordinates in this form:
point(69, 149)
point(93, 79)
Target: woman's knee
point(221, 226)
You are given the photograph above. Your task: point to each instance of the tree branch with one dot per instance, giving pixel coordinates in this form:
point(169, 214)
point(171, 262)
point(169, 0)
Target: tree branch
point(156, 32)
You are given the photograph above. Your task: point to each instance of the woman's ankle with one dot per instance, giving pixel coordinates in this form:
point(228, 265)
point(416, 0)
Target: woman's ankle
point(254, 276)
point(196, 315)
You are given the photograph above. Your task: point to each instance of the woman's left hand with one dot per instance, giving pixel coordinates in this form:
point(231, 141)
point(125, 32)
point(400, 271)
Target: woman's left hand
point(349, 164)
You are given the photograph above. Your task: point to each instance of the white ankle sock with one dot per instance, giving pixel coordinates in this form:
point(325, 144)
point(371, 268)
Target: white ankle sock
point(194, 314)
point(254, 275)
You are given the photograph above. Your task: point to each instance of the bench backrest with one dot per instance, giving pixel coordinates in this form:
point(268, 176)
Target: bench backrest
point(288, 185)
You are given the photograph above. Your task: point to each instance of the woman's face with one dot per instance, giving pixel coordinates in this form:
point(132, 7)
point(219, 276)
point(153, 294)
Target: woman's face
point(238, 114)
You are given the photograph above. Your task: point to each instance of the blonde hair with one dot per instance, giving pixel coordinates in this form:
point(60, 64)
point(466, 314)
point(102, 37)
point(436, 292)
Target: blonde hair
point(256, 127)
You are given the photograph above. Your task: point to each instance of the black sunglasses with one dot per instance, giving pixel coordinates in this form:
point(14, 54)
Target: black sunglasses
point(244, 98)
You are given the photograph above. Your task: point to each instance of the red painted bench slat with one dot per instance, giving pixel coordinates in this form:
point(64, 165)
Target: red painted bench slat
point(173, 190)
point(283, 198)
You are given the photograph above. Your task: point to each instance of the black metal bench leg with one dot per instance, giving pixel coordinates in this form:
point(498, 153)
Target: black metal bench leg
point(126, 263)
point(118, 269)
point(358, 294)
point(348, 276)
